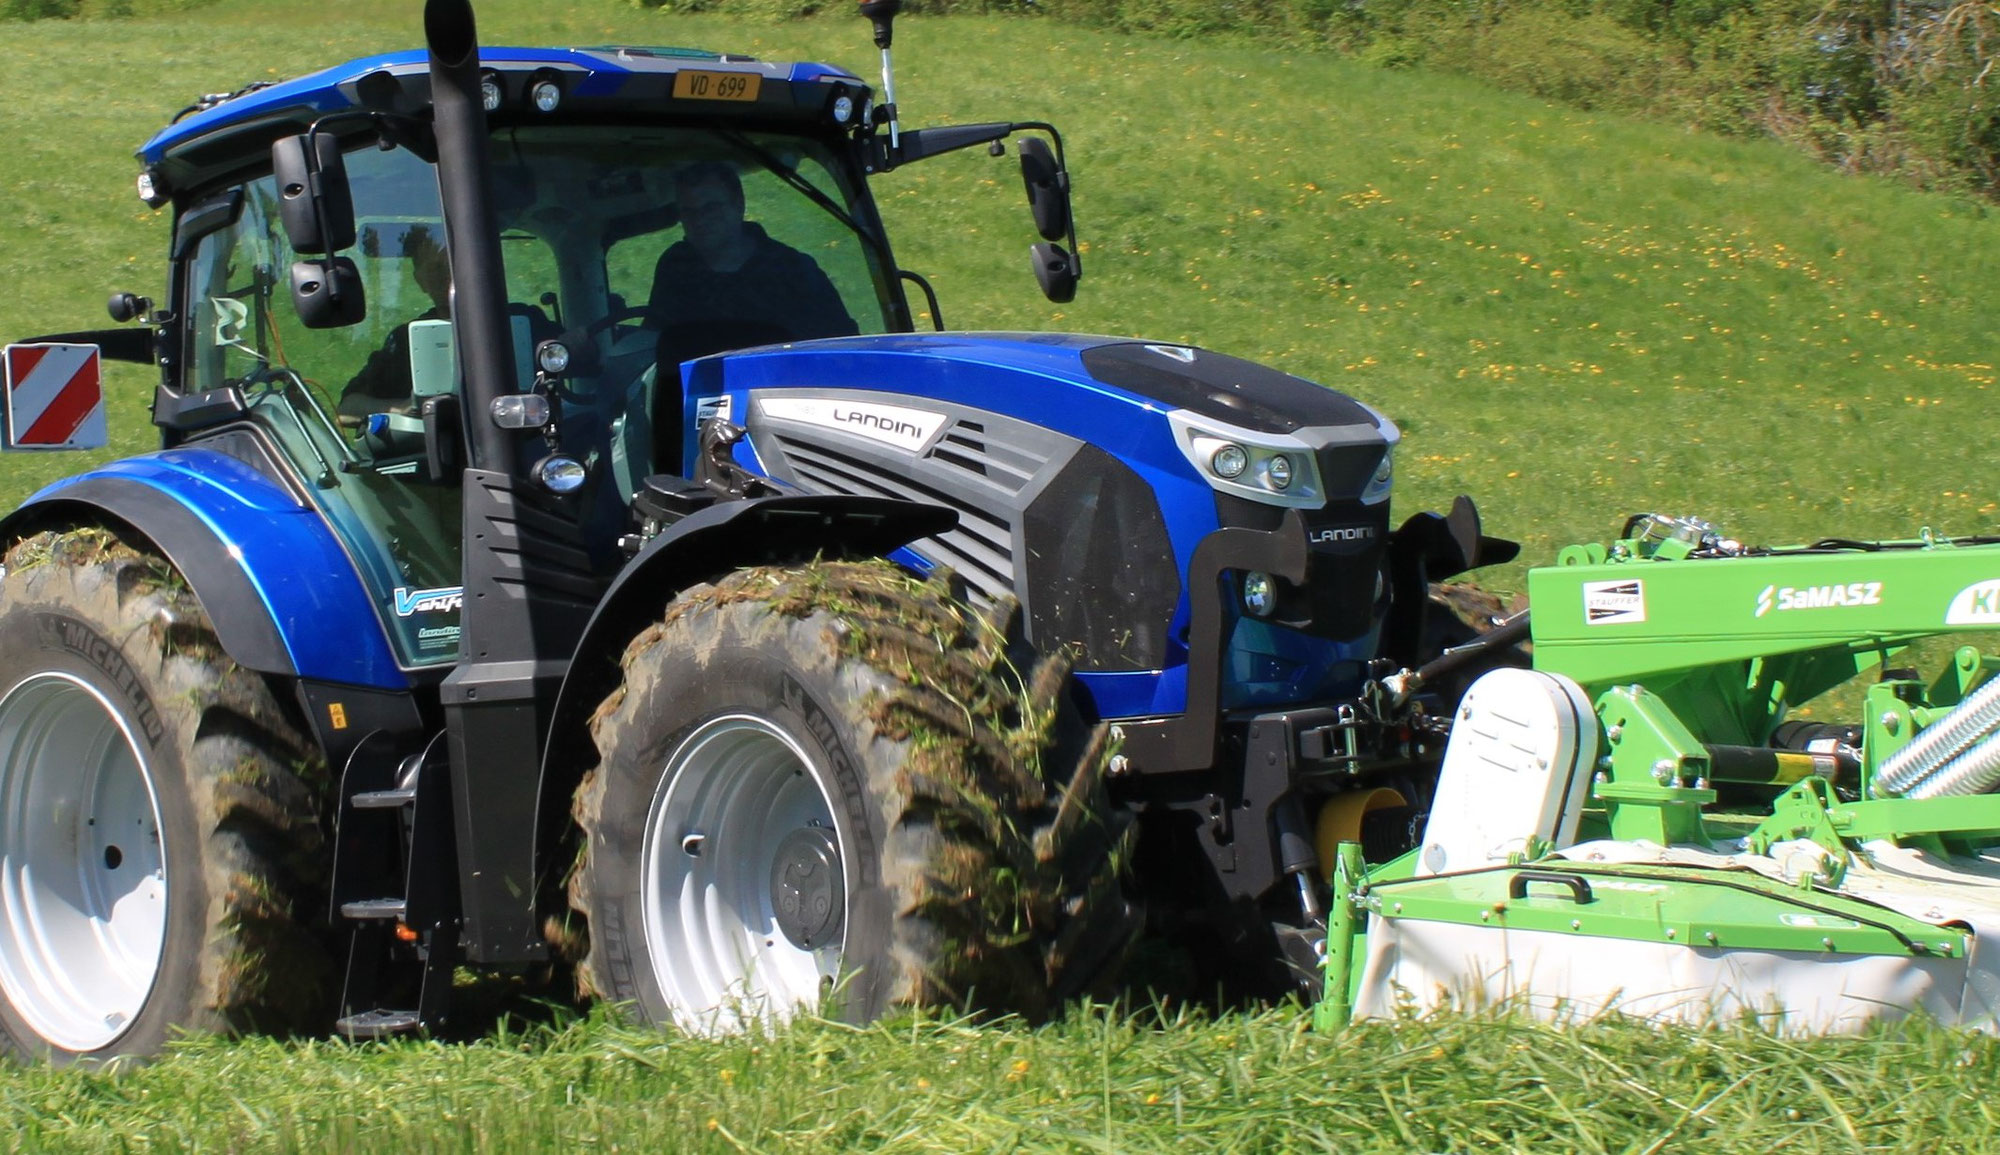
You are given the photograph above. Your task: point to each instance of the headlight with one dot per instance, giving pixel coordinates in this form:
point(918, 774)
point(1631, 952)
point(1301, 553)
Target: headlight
point(1272, 468)
point(1385, 476)
point(545, 91)
point(1260, 594)
point(490, 92)
point(552, 358)
point(560, 474)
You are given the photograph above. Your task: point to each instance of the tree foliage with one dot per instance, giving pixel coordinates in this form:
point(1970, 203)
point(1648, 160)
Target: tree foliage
point(1903, 87)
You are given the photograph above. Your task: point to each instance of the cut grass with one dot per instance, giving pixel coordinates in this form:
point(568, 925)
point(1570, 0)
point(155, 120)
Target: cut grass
point(1097, 1081)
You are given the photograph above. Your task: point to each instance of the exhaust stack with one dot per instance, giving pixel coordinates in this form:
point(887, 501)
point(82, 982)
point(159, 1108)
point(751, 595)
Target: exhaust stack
point(478, 283)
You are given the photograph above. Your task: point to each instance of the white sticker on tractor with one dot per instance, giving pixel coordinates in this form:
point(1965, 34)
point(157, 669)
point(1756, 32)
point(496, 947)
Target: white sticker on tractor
point(1783, 598)
point(909, 429)
point(1614, 603)
point(1975, 605)
point(709, 408)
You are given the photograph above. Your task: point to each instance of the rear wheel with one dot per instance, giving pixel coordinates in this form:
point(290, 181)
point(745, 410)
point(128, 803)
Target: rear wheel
point(159, 843)
point(829, 781)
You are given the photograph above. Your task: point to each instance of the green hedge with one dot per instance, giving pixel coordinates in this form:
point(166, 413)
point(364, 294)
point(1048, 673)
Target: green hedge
point(91, 9)
point(1888, 86)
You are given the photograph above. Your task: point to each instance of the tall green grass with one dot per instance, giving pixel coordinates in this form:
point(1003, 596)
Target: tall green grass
point(1099, 1081)
point(1573, 317)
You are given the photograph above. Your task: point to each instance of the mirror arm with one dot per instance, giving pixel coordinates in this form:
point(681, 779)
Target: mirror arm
point(920, 143)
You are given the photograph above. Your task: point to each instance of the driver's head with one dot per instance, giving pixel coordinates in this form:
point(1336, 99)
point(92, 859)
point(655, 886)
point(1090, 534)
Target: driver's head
point(430, 263)
point(710, 198)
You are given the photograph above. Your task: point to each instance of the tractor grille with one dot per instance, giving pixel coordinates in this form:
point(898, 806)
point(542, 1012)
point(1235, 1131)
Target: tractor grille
point(963, 471)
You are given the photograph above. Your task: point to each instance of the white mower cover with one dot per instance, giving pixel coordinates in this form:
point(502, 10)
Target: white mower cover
point(1424, 965)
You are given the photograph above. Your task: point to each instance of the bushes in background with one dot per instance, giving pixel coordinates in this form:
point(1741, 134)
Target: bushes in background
point(1905, 87)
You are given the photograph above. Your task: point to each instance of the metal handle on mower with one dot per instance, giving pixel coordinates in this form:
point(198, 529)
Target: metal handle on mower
point(1579, 887)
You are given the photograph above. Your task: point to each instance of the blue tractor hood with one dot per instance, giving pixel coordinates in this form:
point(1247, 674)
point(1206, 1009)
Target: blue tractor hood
point(1079, 465)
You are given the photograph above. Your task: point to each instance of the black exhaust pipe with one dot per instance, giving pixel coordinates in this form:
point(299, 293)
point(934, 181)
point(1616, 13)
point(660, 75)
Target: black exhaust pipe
point(478, 284)
point(521, 565)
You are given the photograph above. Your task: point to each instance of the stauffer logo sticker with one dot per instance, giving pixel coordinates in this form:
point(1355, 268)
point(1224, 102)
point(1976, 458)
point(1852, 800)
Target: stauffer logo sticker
point(1779, 599)
point(437, 601)
point(1614, 603)
point(1977, 604)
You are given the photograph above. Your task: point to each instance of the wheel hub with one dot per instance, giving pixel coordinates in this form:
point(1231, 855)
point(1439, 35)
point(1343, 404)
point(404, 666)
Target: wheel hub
point(807, 893)
point(83, 891)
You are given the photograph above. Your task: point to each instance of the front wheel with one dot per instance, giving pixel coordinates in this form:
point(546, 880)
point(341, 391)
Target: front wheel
point(829, 783)
point(159, 845)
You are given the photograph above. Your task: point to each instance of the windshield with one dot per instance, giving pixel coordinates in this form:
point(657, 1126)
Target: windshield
point(654, 245)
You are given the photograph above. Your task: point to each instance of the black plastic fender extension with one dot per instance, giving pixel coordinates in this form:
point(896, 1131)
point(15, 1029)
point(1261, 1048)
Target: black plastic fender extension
point(730, 535)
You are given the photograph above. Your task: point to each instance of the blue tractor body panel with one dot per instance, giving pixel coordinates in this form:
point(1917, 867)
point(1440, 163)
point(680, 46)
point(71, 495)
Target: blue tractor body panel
point(255, 555)
point(1007, 429)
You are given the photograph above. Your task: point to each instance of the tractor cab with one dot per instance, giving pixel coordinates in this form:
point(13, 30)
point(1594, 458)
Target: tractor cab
point(314, 273)
point(587, 213)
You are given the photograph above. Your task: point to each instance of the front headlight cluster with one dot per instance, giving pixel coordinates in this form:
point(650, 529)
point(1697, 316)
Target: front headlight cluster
point(1273, 468)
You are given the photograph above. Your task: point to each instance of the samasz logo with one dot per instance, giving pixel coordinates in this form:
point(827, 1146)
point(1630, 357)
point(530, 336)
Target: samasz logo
point(1783, 598)
point(437, 601)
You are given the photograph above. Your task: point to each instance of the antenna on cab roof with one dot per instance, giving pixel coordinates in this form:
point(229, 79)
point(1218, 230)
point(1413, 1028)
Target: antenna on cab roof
point(882, 13)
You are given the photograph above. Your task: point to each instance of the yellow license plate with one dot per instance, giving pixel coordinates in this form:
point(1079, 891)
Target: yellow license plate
point(716, 85)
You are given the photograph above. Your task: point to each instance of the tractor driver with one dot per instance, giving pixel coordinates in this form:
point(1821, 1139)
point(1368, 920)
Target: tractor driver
point(384, 380)
point(727, 284)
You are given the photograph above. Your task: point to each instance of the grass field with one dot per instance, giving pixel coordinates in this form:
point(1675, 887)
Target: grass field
point(1097, 1082)
point(1573, 318)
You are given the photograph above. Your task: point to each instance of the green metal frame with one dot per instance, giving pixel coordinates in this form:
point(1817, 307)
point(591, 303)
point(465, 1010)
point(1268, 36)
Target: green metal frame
point(1684, 646)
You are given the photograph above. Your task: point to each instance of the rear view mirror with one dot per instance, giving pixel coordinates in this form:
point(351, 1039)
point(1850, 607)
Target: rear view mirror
point(1056, 269)
point(327, 293)
point(313, 197)
point(1048, 188)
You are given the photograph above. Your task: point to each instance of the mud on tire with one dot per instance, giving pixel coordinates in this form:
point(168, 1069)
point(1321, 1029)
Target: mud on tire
point(832, 780)
point(161, 855)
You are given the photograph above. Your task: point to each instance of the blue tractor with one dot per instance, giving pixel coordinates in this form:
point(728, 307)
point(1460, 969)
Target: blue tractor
point(515, 587)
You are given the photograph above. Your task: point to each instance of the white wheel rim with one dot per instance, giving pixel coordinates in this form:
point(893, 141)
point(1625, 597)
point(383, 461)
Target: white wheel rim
point(83, 874)
point(732, 794)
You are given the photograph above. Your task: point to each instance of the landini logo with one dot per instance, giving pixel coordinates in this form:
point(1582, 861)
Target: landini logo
point(904, 428)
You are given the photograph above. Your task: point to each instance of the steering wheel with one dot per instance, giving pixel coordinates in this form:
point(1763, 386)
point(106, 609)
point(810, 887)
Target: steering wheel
point(615, 317)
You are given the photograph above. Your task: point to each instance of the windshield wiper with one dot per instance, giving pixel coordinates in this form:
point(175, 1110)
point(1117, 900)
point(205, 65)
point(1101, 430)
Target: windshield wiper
point(810, 191)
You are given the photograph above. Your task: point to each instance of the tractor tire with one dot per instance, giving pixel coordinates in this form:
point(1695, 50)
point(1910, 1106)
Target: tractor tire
point(827, 789)
point(160, 838)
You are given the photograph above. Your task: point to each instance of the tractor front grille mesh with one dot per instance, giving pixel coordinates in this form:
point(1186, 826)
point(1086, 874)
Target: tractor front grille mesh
point(980, 548)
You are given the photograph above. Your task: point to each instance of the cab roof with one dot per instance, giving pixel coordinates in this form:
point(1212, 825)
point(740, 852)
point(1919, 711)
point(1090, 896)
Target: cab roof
point(217, 132)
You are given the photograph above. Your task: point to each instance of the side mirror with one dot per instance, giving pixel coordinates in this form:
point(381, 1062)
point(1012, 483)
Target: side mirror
point(327, 293)
point(1056, 269)
point(1048, 188)
point(313, 198)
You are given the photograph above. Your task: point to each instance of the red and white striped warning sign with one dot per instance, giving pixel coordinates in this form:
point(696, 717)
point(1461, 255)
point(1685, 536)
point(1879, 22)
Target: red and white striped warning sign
point(55, 397)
